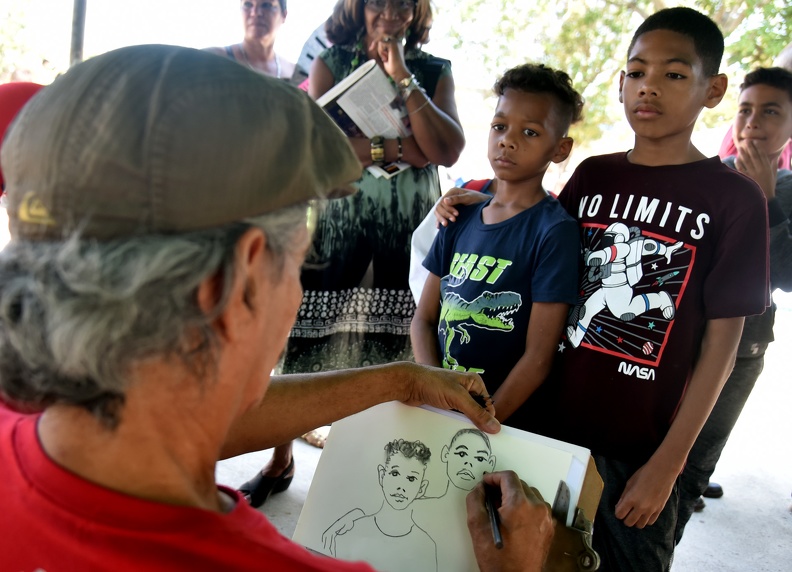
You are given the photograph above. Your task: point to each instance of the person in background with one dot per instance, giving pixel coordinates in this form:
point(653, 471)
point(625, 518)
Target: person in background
point(262, 20)
point(728, 148)
point(762, 129)
point(357, 306)
point(141, 312)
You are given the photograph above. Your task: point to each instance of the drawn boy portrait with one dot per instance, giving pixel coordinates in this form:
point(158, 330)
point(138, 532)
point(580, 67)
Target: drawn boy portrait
point(392, 533)
point(390, 538)
point(467, 458)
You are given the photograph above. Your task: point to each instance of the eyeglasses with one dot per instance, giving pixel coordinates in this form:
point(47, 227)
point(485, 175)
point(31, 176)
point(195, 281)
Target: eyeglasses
point(261, 8)
point(398, 5)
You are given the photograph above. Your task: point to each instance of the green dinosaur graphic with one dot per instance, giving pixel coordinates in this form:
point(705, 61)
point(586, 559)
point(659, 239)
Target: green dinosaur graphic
point(488, 311)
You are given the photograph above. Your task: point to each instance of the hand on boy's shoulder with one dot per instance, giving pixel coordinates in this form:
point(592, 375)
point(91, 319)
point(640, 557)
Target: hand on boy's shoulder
point(445, 211)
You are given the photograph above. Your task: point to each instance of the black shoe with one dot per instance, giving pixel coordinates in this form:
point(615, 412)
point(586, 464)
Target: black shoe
point(713, 491)
point(259, 488)
point(699, 506)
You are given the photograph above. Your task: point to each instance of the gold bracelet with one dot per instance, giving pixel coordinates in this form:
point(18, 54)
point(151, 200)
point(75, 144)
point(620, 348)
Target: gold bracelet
point(424, 104)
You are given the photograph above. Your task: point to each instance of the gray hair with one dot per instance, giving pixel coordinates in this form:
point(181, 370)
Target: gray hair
point(76, 314)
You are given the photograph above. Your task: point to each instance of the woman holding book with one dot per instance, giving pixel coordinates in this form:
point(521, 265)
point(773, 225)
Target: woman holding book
point(357, 306)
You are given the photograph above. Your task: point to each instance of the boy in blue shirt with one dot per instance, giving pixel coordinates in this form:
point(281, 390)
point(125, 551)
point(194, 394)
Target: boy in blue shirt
point(502, 279)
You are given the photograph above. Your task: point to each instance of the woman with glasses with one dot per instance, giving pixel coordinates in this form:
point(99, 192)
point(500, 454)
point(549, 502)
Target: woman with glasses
point(262, 19)
point(357, 306)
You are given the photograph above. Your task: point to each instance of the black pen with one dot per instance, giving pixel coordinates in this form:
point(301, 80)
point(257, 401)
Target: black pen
point(489, 501)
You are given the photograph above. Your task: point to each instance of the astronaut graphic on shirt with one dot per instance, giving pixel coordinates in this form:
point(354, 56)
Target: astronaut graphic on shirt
point(618, 266)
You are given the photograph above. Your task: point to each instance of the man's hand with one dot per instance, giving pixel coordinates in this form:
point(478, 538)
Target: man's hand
point(525, 521)
point(645, 495)
point(757, 165)
point(445, 211)
point(447, 389)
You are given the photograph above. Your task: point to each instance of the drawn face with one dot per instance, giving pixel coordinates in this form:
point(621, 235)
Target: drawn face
point(468, 458)
point(764, 117)
point(402, 480)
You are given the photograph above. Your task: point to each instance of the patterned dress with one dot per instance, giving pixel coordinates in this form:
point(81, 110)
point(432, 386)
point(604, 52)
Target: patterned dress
point(357, 306)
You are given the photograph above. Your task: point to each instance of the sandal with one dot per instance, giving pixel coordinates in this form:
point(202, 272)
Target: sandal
point(258, 489)
point(316, 437)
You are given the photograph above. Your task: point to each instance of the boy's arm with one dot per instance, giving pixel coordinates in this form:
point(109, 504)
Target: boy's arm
point(648, 489)
point(544, 331)
point(423, 330)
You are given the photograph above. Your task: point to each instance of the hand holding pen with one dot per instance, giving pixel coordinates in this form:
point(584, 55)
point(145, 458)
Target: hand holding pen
point(523, 524)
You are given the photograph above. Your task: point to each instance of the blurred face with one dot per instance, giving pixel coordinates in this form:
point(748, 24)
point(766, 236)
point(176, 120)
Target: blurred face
point(764, 116)
point(388, 17)
point(402, 480)
point(468, 458)
point(524, 136)
point(664, 86)
point(261, 17)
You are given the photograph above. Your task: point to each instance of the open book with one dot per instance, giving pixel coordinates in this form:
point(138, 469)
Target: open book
point(366, 104)
point(391, 484)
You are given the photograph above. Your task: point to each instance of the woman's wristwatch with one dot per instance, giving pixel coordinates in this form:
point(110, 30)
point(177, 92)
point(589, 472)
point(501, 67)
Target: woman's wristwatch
point(377, 149)
point(407, 86)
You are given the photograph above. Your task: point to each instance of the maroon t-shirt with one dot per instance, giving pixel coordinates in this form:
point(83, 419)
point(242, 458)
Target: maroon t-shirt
point(664, 249)
point(52, 520)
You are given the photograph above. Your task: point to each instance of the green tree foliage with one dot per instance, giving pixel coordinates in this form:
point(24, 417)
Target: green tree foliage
point(589, 40)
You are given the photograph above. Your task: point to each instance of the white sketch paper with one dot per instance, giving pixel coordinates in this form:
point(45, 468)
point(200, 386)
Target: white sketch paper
point(391, 484)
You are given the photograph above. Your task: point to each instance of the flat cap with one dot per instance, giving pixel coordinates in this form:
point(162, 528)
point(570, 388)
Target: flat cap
point(159, 139)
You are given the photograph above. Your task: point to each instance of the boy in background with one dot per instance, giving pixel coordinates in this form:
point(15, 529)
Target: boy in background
point(762, 130)
point(673, 261)
point(502, 278)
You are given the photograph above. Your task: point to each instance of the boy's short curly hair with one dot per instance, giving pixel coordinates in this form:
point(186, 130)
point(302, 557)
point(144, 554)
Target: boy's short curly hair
point(703, 32)
point(408, 449)
point(538, 78)
point(778, 78)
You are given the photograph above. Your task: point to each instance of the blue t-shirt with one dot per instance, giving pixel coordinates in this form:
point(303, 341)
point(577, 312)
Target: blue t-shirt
point(490, 276)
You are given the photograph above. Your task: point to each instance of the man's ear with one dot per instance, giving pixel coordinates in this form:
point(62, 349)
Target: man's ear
point(621, 86)
point(381, 472)
point(249, 254)
point(422, 490)
point(563, 149)
point(444, 454)
point(717, 89)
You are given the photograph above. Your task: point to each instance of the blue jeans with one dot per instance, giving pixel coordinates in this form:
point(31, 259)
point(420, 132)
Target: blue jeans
point(625, 548)
point(708, 447)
